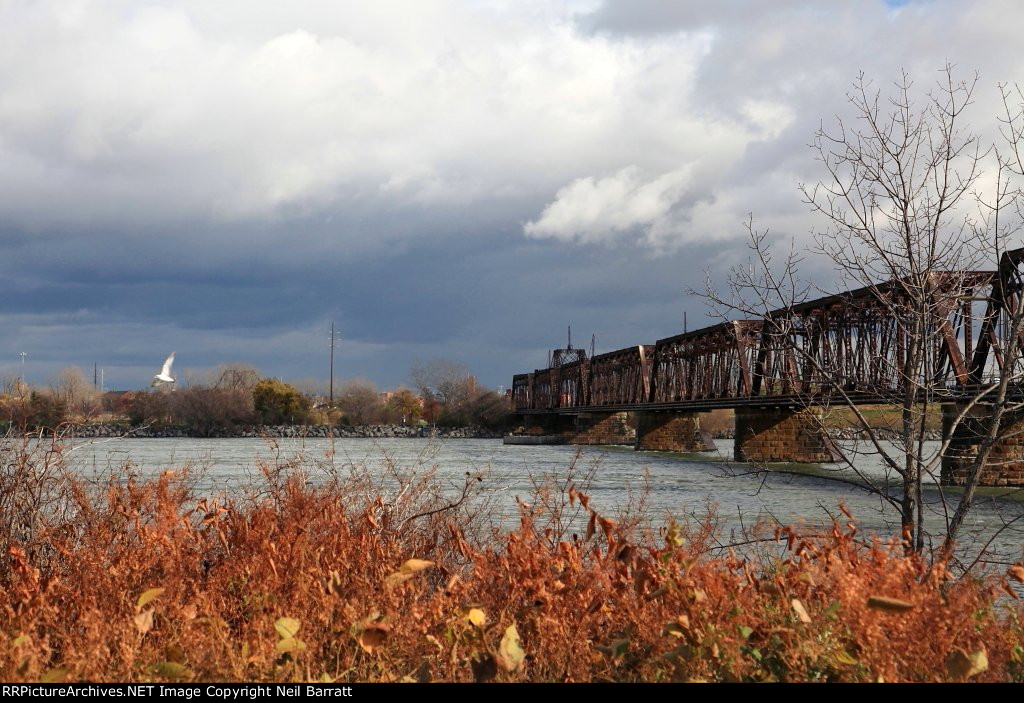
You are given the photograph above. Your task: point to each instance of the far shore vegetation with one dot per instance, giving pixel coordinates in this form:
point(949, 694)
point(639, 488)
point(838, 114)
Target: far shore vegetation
point(442, 393)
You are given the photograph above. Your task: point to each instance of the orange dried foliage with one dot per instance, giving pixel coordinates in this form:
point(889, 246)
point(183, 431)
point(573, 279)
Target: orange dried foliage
point(301, 585)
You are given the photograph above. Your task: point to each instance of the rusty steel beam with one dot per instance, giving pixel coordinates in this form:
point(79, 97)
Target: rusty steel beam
point(620, 377)
point(710, 363)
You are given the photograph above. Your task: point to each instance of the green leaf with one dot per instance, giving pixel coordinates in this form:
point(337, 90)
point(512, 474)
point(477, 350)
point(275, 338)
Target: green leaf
point(746, 632)
point(287, 627)
point(147, 596)
point(290, 644)
point(843, 657)
point(18, 641)
point(476, 616)
point(674, 629)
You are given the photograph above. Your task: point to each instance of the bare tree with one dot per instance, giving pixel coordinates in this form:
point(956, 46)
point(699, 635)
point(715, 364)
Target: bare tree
point(237, 376)
point(71, 388)
point(360, 401)
point(446, 381)
point(908, 229)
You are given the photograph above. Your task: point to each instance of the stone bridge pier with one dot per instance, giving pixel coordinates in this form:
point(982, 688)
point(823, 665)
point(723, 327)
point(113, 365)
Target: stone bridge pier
point(671, 431)
point(603, 428)
point(765, 434)
point(1005, 465)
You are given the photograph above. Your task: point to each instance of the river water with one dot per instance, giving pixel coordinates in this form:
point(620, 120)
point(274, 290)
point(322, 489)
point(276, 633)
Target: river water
point(673, 485)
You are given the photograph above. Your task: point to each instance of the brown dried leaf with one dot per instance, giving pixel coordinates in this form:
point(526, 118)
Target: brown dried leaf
point(175, 653)
point(372, 637)
point(591, 526)
point(608, 526)
point(1016, 572)
point(892, 605)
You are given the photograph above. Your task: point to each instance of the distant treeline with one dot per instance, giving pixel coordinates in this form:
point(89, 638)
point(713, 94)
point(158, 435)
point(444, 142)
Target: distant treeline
point(237, 395)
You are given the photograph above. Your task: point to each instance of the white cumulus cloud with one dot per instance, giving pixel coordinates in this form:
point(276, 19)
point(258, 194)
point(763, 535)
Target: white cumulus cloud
point(601, 210)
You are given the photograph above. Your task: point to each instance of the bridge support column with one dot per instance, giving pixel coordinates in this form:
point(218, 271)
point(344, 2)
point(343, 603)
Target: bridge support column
point(603, 428)
point(669, 431)
point(1005, 465)
point(782, 434)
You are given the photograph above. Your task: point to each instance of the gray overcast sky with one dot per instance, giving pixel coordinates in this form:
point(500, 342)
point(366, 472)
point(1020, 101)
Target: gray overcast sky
point(440, 178)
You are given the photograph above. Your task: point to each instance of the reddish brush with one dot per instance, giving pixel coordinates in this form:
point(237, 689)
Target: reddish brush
point(307, 582)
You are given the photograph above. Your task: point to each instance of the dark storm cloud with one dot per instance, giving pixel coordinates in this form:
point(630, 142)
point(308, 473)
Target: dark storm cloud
point(227, 179)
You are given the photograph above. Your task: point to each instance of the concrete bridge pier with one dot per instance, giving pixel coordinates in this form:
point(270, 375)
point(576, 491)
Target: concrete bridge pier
point(671, 431)
point(603, 428)
point(1005, 465)
point(782, 434)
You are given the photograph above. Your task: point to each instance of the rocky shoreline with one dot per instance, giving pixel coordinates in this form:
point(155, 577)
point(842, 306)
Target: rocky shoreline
point(376, 432)
point(848, 433)
point(285, 431)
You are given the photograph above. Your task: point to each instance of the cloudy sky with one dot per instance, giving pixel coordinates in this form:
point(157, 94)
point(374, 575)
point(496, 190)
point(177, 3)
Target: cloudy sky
point(438, 178)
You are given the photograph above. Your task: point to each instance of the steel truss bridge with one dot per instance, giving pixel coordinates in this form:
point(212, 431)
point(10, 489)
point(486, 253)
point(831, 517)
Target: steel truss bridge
point(854, 347)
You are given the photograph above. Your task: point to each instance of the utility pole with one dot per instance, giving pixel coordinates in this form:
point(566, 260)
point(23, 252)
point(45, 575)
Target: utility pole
point(95, 375)
point(330, 401)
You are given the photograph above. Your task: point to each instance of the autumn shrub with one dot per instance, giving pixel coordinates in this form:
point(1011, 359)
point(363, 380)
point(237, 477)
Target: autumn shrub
point(360, 576)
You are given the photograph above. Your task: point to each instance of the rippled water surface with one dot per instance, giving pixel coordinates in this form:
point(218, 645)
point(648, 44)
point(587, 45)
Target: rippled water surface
point(675, 484)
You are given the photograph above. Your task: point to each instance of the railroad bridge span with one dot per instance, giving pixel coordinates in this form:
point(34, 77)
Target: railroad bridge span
point(781, 372)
